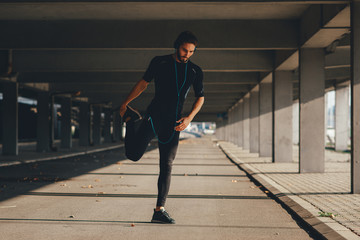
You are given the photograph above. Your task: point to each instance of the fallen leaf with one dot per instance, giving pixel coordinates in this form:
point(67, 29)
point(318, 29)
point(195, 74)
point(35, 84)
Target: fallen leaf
point(233, 180)
point(83, 186)
point(90, 186)
point(101, 192)
point(63, 185)
point(332, 216)
point(133, 225)
point(72, 216)
point(97, 180)
point(97, 200)
point(266, 191)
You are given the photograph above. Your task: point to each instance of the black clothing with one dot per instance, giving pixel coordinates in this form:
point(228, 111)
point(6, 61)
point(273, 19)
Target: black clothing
point(162, 70)
point(136, 141)
point(162, 110)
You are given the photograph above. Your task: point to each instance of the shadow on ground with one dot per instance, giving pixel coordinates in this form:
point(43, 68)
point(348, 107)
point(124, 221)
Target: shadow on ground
point(21, 179)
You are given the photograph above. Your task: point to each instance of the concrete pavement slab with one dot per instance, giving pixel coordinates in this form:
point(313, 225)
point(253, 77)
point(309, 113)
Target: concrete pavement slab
point(102, 196)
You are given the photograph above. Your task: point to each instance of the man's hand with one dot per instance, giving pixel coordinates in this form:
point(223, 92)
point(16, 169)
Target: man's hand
point(122, 110)
point(184, 122)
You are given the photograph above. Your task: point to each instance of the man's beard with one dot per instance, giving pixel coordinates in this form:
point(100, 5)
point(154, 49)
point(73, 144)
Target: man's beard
point(180, 58)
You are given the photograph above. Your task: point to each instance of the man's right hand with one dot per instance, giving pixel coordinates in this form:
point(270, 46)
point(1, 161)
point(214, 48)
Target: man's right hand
point(122, 110)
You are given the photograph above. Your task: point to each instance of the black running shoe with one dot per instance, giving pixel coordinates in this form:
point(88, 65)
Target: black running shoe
point(131, 115)
point(162, 216)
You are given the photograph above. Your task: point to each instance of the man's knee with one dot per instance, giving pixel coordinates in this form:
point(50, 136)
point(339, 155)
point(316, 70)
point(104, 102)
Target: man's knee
point(133, 156)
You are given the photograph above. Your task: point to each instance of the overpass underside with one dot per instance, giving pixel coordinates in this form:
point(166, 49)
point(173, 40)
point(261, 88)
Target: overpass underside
point(259, 59)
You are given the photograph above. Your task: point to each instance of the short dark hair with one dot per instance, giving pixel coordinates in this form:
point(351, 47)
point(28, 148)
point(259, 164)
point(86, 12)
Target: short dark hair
point(185, 37)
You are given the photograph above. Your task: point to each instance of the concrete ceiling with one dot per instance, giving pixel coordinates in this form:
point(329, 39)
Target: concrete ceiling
point(103, 47)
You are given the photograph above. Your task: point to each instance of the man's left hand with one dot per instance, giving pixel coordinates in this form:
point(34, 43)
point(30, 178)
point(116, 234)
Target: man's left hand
point(184, 122)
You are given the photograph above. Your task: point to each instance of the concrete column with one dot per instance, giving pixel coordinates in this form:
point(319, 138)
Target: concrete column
point(232, 128)
point(341, 118)
point(66, 136)
point(312, 119)
point(246, 122)
point(116, 126)
point(236, 110)
point(326, 119)
point(295, 122)
point(254, 120)
point(10, 119)
point(43, 123)
point(97, 125)
point(84, 124)
point(283, 104)
point(355, 96)
point(227, 131)
point(240, 126)
point(266, 119)
point(107, 126)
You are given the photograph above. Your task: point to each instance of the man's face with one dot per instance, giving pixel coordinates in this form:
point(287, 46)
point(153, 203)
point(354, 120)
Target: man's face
point(185, 51)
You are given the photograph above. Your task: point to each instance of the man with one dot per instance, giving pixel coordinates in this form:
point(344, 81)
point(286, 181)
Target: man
point(173, 76)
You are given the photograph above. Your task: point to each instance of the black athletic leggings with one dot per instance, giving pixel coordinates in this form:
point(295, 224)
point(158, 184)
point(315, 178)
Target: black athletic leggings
point(138, 135)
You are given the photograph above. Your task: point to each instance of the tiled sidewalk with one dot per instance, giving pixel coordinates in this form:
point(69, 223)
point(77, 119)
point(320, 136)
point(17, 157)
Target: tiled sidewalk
point(327, 192)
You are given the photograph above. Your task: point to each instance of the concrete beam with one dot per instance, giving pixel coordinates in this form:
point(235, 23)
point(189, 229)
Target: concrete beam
point(269, 34)
point(317, 25)
point(134, 60)
point(128, 78)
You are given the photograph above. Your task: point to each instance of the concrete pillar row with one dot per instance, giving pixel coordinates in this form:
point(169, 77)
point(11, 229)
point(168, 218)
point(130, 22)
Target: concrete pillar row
point(84, 124)
point(97, 125)
point(66, 136)
point(229, 134)
point(227, 128)
point(342, 113)
point(283, 104)
point(266, 118)
point(233, 129)
point(240, 127)
point(43, 123)
point(10, 119)
point(107, 126)
point(116, 126)
point(246, 122)
point(355, 95)
point(312, 114)
point(254, 120)
point(295, 122)
point(236, 122)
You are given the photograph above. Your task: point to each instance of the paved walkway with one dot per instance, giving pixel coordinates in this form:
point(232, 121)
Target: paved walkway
point(104, 196)
point(316, 193)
